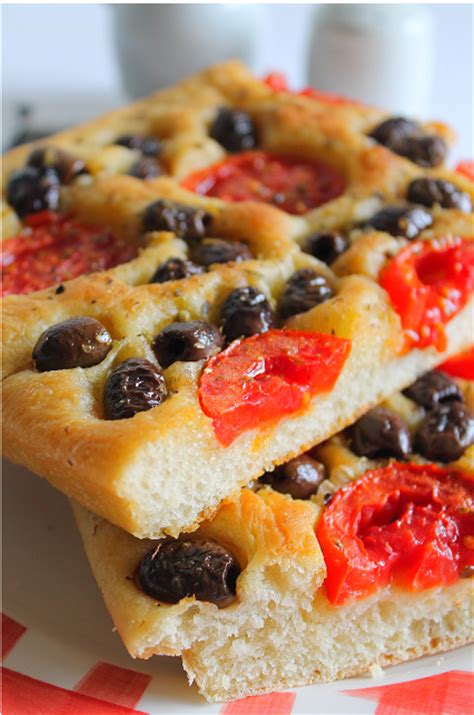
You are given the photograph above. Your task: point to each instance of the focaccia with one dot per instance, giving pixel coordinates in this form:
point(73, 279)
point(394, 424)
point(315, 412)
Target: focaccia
point(282, 611)
point(322, 207)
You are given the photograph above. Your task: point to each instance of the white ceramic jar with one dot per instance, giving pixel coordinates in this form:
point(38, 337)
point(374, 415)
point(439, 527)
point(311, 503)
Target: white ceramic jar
point(157, 45)
point(380, 54)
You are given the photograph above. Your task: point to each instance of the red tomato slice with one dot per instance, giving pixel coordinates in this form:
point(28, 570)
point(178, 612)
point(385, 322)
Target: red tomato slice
point(405, 523)
point(429, 282)
point(467, 168)
point(258, 380)
point(277, 81)
point(461, 365)
point(53, 249)
point(293, 185)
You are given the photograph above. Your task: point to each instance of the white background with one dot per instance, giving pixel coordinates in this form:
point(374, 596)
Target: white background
point(61, 51)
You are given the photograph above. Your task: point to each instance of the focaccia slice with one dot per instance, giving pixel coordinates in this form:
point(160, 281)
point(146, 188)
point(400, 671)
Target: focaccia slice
point(273, 622)
point(165, 469)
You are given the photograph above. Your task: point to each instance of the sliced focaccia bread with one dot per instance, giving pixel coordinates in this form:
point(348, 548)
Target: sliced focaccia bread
point(276, 265)
point(359, 553)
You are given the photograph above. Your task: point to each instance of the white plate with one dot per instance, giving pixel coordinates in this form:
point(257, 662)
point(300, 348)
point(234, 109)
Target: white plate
point(49, 589)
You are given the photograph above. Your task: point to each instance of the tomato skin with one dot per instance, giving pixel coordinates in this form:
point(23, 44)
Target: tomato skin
point(467, 168)
point(54, 248)
point(276, 81)
point(258, 380)
point(407, 524)
point(293, 185)
point(461, 365)
point(429, 282)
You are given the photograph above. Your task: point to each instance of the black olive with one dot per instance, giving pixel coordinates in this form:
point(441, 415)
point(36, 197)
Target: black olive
point(401, 221)
point(326, 246)
point(145, 168)
point(174, 269)
point(446, 432)
point(394, 131)
point(300, 477)
point(234, 130)
point(245, 311)
point(432, 388)
point(30, 191)
point(429, 192)
point(218, 250)
point(406, 138)
point(136, 385)
point(185, 221)
point(425, 151)
point(305, 289)
point(149, 146)
point(66, 165)
point(183, 568)
point(186, 342)
point(76, 342)
point(380, 433)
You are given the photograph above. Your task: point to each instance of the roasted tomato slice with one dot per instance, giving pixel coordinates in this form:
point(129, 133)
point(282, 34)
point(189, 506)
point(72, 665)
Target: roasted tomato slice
point(258, 380)
point(409, 524)
point(467, 168)
point(461, 365)
point(53, 248)
point(293, 185)
point(429, 282)
point(277, 81)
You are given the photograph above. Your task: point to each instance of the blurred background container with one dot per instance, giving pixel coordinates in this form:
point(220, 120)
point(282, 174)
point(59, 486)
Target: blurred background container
point(60, 62)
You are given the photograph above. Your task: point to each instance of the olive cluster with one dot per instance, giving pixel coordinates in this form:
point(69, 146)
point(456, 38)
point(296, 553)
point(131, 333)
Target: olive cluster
point(148, 166)
point(443, 435)
point(136, 384)
point(407, 138)
point(35, 187)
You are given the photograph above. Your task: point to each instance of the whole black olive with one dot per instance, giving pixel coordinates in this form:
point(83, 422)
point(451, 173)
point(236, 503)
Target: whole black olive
point(234, 130)
point(432, 388)
point(245, 311)
point(429, 192)
point(405, 137)
point(149, 146)
point(76, 342)
point(30, 191)
point(174, 269)
point(401, 221)
point(136, 385)
point(183, 568)
point(305, 289)
point(186, 342)
point(394, 131)
point(186, 222)
point(218, 250)
point(427, 151)
point(326, 246)
point(446, 432)
point(380, 433)
point(300, 477)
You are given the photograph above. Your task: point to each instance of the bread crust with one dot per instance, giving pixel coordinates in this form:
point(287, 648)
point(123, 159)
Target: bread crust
point(282, 631)
point(163, 471)
point(282, 618)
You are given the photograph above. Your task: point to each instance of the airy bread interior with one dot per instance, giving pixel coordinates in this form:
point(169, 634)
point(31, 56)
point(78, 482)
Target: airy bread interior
point(282, 631)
